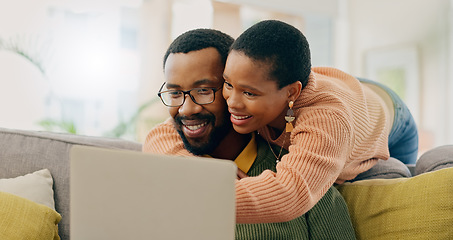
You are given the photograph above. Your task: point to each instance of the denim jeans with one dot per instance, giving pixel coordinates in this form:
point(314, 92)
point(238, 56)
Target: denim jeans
point(403, 137)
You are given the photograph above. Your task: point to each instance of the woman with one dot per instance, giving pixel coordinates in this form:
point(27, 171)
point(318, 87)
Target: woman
point(334, 126)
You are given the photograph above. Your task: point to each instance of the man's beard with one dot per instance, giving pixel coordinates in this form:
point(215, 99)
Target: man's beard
point(216, 136)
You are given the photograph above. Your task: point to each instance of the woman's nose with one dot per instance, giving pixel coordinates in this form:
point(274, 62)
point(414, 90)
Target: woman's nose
point(233, 100)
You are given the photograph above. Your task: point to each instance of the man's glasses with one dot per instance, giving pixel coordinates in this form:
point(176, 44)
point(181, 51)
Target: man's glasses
point(176, 98)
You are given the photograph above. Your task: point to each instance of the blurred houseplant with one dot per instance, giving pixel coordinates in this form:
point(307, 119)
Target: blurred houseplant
point(36, 52)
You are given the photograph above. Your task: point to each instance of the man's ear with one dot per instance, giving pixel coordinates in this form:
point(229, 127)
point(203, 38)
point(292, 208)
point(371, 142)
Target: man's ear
point(294, 90)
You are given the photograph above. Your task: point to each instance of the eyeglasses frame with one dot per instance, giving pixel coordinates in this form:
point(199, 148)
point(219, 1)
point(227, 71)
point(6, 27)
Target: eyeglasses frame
point(187, 93)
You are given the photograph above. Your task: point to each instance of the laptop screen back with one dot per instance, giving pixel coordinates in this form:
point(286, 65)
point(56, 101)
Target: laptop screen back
point(117, 194)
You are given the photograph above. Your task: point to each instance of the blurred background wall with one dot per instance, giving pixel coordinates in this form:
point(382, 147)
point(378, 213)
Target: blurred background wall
point(94, 67)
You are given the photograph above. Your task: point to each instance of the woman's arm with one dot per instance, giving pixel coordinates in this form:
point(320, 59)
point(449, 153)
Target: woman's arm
point(320, 145)
point(164, 139)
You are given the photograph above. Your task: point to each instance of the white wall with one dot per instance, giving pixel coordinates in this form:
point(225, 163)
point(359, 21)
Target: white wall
point(295, 7)
point(390, 24)
point(23, 92)
point(23, 88)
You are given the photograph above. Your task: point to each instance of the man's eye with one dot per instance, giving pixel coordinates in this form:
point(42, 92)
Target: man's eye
point(174, 94)
point(228, 85)
point(203, 91)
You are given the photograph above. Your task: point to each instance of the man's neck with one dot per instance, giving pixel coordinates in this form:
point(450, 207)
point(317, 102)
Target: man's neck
point(231, 146)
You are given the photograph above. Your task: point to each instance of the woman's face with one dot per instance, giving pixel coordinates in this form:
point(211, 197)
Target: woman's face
point(253, 99)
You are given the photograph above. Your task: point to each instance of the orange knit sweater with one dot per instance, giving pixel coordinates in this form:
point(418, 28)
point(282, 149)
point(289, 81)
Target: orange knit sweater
point(340, 131)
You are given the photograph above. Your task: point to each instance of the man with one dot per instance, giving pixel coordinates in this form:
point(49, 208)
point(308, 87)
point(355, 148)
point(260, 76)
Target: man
point(193, 69)
point(195, 60)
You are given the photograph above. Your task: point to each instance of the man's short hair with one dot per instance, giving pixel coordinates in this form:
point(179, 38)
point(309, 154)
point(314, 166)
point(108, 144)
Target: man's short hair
point(199, 39)
point(280, 45)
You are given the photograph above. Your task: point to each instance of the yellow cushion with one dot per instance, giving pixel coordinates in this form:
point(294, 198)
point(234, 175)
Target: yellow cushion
point(21, 218)
point(420, 207)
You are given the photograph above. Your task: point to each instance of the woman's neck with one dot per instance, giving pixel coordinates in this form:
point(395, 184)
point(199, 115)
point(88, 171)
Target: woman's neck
point(277, 126)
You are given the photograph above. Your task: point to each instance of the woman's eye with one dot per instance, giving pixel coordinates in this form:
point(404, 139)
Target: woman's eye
point(249, 94)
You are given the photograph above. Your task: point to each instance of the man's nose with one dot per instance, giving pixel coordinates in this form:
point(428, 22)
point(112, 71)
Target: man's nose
point(189, 107)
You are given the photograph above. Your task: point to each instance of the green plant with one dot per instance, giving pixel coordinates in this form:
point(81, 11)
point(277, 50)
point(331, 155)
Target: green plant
point(31, 48)
point(129, 126)
point(35, 51)
point(53, 125)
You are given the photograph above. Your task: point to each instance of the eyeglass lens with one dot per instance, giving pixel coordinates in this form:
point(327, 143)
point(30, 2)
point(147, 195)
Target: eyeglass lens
point(198, 95)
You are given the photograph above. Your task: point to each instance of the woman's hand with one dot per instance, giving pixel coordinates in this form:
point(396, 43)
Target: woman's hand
point(241, 174)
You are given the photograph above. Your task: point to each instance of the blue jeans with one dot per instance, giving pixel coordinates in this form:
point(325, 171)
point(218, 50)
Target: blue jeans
point(403, 137)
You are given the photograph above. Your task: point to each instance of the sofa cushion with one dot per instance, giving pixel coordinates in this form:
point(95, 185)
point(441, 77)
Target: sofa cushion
point(387, 169)
point(36, 187)
point(435, 159)
point(419, 207)
point(23, 152)
point(21, 218)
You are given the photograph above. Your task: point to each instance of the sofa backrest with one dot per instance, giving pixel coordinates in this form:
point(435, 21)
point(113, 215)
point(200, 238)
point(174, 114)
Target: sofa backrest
point(23, 152)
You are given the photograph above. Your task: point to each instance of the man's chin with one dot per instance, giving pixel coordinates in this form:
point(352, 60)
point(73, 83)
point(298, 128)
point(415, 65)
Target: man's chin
point(205, 145)
point(197, 146)
point(204, 140)
point(196, 142)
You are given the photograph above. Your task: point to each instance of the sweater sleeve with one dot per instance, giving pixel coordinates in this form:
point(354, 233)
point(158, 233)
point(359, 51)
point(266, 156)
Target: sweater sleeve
point(164, 139)
point(320, 144)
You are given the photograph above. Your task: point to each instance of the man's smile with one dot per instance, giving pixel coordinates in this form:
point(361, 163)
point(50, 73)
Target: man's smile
point(195, 128)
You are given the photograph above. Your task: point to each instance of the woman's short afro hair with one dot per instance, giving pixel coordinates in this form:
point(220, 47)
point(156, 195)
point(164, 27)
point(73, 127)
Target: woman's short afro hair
point(280, 45)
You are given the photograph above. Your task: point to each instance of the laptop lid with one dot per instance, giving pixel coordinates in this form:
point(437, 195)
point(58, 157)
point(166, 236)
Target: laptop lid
point(118, 194)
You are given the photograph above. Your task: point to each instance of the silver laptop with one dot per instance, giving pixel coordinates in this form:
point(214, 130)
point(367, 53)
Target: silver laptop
point(117, 194)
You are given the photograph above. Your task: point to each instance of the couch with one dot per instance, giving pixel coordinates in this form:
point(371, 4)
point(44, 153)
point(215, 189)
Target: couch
point(24, 152)
point(397, 208)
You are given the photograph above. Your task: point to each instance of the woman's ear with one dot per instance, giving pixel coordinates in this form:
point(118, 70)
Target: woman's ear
point(294, 90)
